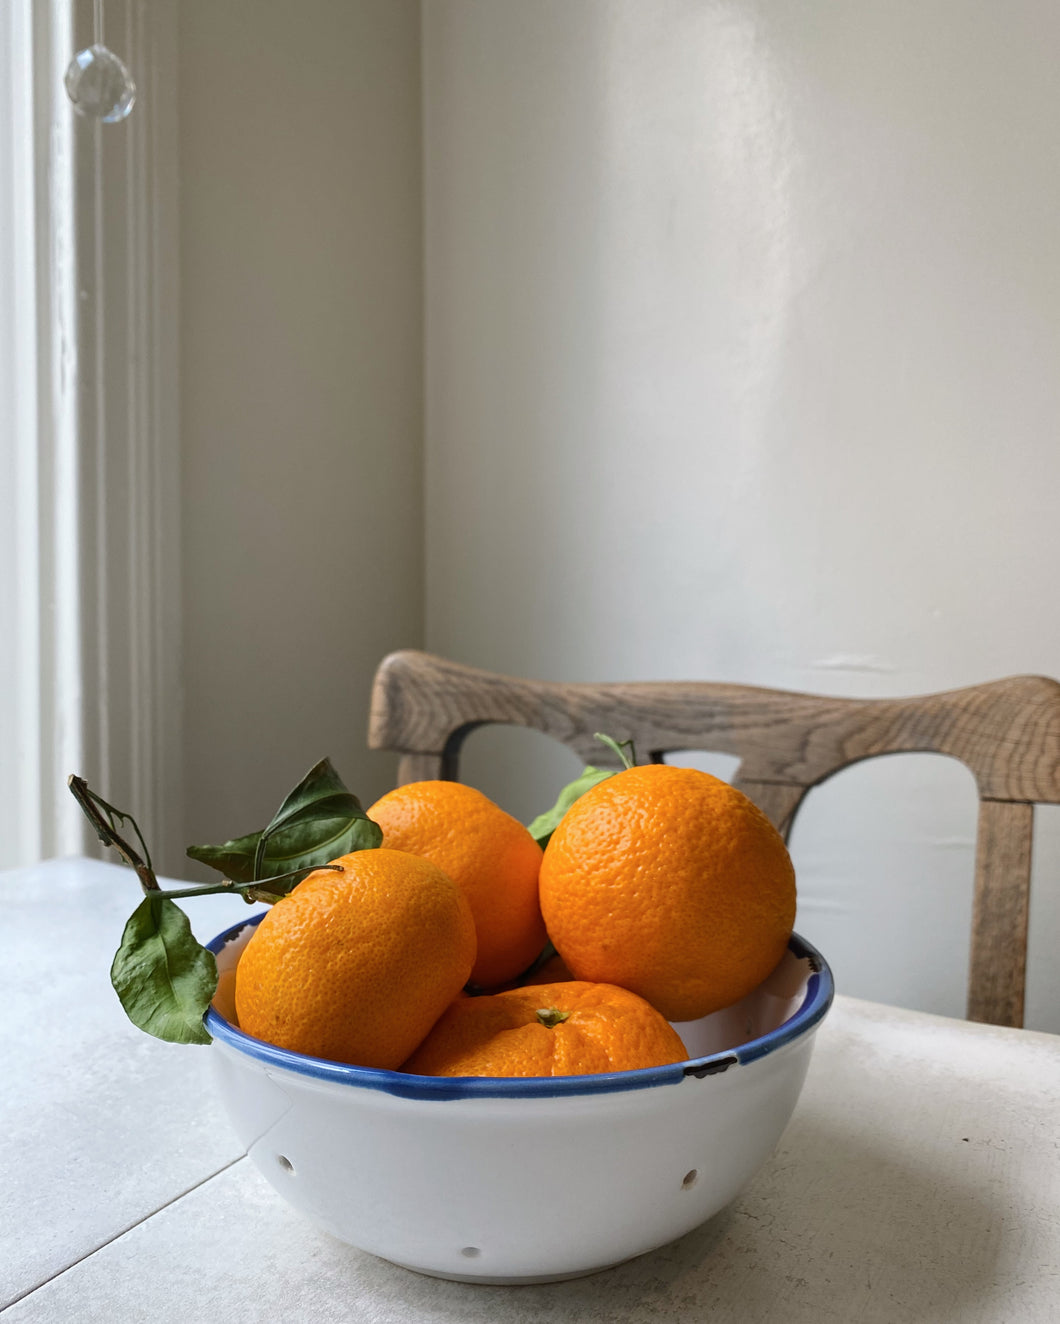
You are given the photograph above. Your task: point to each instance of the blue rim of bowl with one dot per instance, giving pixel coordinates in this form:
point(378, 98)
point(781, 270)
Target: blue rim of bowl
point(820, 990)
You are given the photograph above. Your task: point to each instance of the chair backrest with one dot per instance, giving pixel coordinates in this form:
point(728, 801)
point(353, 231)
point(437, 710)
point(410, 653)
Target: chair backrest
point(1006, 731)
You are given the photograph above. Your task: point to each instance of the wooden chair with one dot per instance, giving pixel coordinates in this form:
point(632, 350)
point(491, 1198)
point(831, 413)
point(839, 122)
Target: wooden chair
point(1007, 732)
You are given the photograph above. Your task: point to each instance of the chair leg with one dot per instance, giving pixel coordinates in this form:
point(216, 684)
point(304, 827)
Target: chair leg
point(1000, 910)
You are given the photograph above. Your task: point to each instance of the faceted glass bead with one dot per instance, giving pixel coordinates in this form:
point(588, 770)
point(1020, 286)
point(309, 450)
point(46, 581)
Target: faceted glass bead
point(99, 85)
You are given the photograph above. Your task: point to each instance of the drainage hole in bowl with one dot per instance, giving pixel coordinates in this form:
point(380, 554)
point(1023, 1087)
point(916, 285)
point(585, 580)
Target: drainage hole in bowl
point(471, 1252)
point(285, 1163)
point(689, 1179)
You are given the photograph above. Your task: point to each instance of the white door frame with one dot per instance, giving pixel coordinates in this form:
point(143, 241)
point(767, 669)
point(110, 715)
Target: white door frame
point(88, 251)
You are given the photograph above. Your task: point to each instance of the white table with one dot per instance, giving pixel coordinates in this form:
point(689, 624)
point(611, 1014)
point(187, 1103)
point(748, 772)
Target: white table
point(918, 1181)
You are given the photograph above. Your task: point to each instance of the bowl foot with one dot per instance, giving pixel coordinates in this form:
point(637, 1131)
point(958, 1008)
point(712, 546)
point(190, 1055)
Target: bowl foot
point(516, 1280)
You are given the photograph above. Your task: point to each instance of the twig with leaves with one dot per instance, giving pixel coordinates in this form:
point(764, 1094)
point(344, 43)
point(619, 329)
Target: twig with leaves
point(164, 978)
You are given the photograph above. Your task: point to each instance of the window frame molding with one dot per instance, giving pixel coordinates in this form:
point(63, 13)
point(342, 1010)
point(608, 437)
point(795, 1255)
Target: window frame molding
point(97, 506)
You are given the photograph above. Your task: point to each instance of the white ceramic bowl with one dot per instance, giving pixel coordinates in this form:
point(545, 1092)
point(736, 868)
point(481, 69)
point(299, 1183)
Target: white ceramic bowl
point(523, 1180)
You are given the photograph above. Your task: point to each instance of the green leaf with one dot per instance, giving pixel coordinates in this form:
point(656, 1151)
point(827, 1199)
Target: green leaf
point(319, 821)
point(235, 859)
point(163, 977)
point(545, 824)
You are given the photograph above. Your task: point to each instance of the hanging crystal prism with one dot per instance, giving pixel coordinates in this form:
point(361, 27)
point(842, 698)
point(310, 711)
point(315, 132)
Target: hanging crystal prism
point(97, 82)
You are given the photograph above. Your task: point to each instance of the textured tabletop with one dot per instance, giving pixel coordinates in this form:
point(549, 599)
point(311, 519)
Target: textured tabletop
point(919, 1180)
point(100, 1125)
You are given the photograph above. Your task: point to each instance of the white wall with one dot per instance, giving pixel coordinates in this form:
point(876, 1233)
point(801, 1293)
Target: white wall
point(743, 322)
point(301, 390)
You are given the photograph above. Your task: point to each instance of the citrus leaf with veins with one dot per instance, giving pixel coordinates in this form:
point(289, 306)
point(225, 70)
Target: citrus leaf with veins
point(163, 977)
point(319, 821)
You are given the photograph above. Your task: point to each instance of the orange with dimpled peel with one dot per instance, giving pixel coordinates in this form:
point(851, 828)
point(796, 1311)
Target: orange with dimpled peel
point(356, 966)
point(672, 883)
point(566, 1029)
point(487, 852)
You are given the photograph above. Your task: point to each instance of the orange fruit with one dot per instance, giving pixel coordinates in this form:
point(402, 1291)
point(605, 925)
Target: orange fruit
point(671, 883)
point(567, 1029)
point(488, 853)
point(357, 966)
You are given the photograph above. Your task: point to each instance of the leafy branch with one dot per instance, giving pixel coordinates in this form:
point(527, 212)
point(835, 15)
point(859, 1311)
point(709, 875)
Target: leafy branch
point(164, 978)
